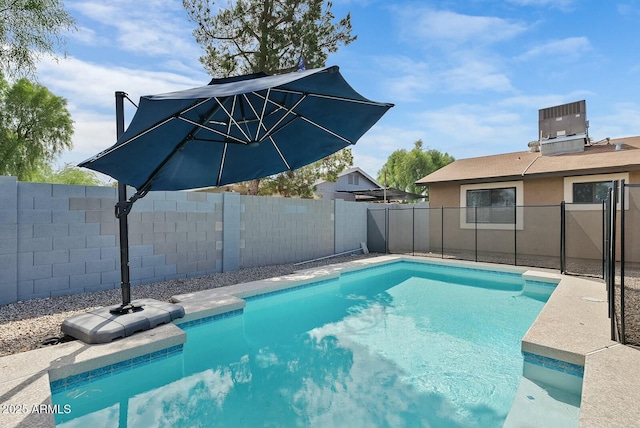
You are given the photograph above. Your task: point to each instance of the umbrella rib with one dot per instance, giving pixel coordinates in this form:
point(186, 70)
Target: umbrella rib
point(270, 131)
point(231, 119)
point(333, 97)
point(224, 156)
point(146, 186)
point(297, 115)
point(135, 137)
point(280, 153)
point(215, 131)
point(327, 130)
point(264, 108)
point(260, 116)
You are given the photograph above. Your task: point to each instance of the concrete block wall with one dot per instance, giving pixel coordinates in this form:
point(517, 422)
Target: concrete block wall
point(284, 230)
point(8, 239)
point(350, 225)
point(64, 239)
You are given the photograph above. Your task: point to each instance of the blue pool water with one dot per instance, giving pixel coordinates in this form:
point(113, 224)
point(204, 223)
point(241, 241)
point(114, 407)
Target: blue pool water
point(406, 344)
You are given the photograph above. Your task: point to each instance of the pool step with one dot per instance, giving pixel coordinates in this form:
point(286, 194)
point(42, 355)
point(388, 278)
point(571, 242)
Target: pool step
point(539, 405)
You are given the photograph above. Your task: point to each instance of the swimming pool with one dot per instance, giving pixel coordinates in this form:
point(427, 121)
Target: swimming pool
point(406, 344)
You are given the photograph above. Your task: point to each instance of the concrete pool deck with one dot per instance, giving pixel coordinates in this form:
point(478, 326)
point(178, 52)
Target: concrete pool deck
point(572, 327)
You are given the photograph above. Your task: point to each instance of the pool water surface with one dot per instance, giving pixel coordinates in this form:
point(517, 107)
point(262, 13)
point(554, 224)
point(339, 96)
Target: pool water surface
point(407, 344)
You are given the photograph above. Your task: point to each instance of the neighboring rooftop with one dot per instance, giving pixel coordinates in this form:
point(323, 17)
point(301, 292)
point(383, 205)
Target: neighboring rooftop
point(352, 170)
point(614, 155)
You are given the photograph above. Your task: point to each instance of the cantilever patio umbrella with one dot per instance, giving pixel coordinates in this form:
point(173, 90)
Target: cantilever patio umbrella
point(232, 130)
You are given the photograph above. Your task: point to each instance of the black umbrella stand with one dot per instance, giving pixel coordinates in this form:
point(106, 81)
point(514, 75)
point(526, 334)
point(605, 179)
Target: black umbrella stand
point(104, 325)
point(123, 207)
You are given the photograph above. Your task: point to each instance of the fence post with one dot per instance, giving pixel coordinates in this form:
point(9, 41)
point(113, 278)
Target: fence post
point(612, 259)
point(607, 249)
point(604, 240)
point(442, 232)
point(563, 238)
point(475, 222)
point(515, 235)
point(386, 230)
point(622, 256)
point(413, 229)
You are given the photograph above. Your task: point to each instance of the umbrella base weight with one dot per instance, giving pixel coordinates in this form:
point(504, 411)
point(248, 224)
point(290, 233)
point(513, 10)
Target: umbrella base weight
point(106, 324)
point(125, 309)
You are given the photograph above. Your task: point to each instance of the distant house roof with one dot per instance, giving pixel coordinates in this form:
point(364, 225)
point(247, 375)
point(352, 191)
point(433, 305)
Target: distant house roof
point(351, 170)
point(596, 158)
point(380, 195)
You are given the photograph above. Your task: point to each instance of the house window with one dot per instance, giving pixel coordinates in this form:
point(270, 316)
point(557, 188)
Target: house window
point(354, 179)
point(493, 205)
point(591, 193)
point(586, 192)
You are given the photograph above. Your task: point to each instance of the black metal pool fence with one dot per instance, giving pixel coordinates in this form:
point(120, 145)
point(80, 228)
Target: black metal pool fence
point(548, 236)
point(601, 243)
point(621, 266)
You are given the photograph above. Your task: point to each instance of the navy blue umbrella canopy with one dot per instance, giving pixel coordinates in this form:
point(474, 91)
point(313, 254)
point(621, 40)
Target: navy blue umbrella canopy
point(237, 129)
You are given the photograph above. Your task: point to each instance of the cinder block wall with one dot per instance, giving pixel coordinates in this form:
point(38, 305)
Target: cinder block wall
point(350, 225)
point(284, 230)
point(63, 239)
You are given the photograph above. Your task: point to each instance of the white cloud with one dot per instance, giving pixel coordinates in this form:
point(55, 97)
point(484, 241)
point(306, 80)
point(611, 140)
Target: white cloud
point(409, 80)
point(530, 104)
point(570, 48)
point(474, 76)
point(466, 130)
point(373, 149)
point(90, 92)
point(556, 4)
point(443, 27)
point(86, 36)
point(617, 122)
point(149, 28)
point(86, 84)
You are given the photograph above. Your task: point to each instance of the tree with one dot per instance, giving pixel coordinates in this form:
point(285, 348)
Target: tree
point(35, 127)
point(300, 182)
point(403, 168)
point(29, 29)
point(69, 174)
point(266, 35)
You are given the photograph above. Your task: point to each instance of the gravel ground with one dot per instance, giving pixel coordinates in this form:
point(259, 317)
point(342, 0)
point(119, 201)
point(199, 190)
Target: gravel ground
point(26, 325)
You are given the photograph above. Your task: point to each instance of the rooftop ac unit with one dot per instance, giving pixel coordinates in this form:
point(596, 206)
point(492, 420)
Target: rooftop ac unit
point(563, 128)
point(563, 120)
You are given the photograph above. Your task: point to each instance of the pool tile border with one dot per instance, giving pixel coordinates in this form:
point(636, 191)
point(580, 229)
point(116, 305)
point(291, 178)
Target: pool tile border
point(467, 269)
point(286, 290)
point(206, 320)
point(553, 364)
point(80, 379)
point(533, 282)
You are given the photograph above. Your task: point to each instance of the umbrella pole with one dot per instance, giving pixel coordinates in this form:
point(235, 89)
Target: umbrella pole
point(122, 210)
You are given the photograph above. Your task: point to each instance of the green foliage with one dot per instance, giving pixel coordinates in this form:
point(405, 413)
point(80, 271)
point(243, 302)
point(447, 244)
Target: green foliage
point(403, 168)
point(69, 174)
point(35, 127)
point(300, 182)
point(266, 35)
point(269, 35)
point(29, 29)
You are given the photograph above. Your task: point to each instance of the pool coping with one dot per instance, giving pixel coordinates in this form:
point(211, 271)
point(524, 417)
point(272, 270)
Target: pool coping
point(572, 327)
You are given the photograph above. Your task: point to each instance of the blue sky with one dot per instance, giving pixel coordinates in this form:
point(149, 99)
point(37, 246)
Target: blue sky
point(467, 77)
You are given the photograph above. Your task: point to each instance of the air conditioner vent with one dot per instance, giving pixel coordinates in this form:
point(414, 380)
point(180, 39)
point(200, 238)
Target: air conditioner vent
point(563, 120)
point(578, 107)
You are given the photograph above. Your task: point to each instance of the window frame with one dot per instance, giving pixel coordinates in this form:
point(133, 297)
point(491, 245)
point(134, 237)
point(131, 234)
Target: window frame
point(519, 201)
point(596, 178)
